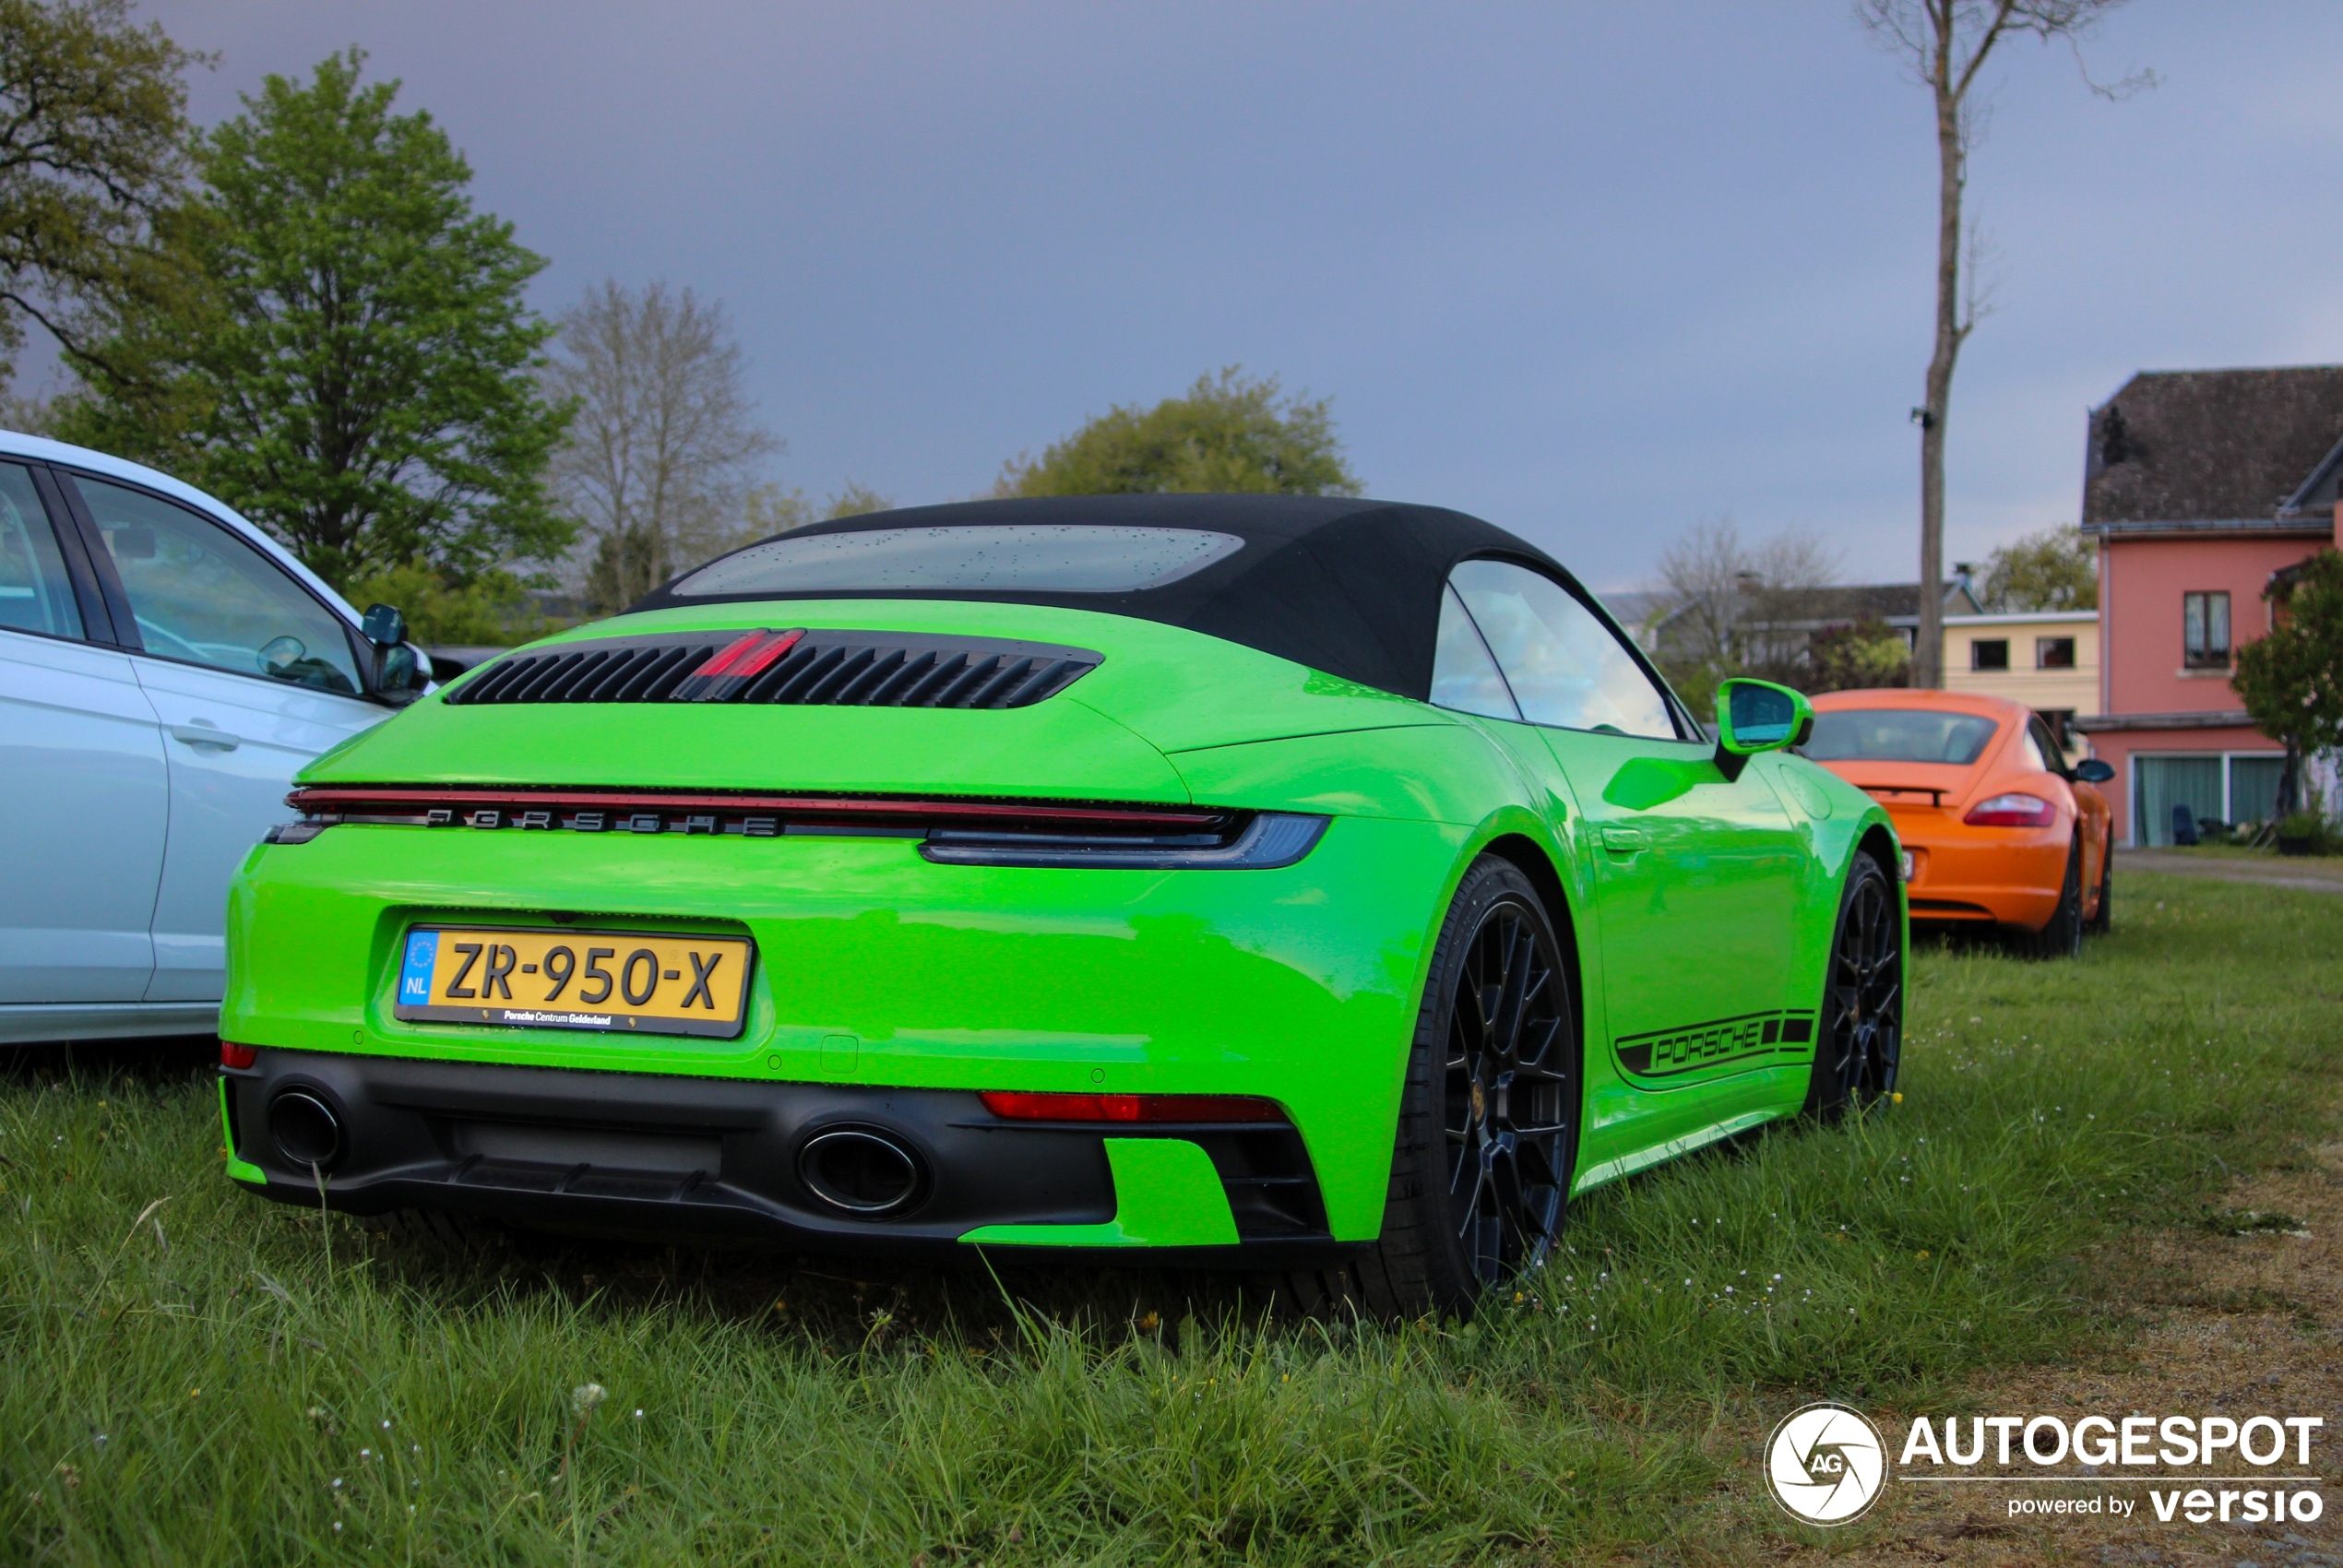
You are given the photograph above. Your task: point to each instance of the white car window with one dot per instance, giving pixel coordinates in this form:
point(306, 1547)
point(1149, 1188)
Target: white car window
point(1565, 667)
point(204, 596)
point(1463, 675)
point(36, 595)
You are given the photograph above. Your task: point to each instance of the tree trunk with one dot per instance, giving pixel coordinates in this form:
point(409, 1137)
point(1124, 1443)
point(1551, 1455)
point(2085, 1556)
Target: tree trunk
point(1928, 645)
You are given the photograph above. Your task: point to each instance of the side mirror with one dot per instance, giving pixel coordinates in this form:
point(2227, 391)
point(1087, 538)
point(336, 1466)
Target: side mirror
point(385, 625)
point(402, 672)
point(2090, 770)
point(1758, 716)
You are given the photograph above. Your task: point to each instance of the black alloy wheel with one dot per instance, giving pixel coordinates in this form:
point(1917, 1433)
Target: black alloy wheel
point(1861, 1041)
point(1508, 1114)
point(1488, 1132)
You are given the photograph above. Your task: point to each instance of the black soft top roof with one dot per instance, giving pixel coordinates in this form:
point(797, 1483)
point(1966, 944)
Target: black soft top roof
point(1346, 585)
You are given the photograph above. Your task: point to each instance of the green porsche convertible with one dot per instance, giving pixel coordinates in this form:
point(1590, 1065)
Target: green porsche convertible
point(1318, 886)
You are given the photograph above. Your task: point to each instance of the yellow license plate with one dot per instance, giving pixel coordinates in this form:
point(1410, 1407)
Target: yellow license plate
point(610, 982)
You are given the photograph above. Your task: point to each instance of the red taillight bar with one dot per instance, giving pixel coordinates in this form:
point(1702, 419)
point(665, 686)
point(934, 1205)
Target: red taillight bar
point(1019, 1105)
point(239, 1056)
point(325, 798)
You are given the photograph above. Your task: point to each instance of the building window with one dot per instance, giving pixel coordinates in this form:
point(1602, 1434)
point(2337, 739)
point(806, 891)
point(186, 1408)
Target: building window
point(2205, 631)
point(2218, 788)
point(1989, 653)
point(2053, 653)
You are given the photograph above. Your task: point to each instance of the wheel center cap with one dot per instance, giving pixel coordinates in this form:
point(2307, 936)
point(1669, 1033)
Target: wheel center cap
point(1480, 1102)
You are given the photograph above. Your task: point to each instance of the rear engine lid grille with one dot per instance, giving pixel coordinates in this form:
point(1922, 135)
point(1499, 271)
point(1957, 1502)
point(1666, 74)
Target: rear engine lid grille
point(786, 668)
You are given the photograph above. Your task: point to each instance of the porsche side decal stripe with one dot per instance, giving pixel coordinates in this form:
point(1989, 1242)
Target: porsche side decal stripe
point(1691, 1048)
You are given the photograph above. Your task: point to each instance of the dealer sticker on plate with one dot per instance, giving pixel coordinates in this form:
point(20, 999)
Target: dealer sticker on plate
point(614, 981)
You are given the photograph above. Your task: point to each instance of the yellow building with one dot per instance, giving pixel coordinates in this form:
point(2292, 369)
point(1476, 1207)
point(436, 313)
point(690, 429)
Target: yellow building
point(2045, 659)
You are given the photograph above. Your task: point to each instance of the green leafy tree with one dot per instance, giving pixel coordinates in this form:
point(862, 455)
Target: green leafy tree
point(1856, 657)
point(1230, 432)
point(491, 609)
point(2292, 680)
point(2055, 569)
point(93, 139)
point(360, 375)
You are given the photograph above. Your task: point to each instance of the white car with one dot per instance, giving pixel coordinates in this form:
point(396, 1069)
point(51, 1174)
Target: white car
point(165, 668)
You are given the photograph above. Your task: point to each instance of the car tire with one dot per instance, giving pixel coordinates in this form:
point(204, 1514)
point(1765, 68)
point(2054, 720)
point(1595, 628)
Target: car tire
point(2102, 918)
point(2062, 936)
point(1860, 1040)
point(1493, 1092)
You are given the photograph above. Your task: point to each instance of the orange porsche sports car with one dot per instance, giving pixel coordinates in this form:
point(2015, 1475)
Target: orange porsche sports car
point(1994, 824)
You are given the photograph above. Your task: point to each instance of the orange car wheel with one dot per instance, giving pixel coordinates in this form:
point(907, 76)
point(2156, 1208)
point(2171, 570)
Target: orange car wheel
point(2062, 935)
point(2103, 917)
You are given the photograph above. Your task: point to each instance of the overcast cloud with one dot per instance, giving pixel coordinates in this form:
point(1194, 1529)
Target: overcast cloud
point(1590, 272)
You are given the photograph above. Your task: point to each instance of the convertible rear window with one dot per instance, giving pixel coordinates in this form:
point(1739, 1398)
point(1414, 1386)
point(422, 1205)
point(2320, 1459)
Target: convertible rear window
point(1898, 734)
point(1000, 558)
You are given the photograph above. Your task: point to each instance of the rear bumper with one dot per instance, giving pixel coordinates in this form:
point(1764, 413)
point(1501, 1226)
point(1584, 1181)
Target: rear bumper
point(2007, 876)
point(879, 973)
point(660, 1158)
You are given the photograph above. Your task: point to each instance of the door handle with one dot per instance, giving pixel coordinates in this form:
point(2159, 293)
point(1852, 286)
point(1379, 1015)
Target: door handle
point(1625, 841)
point(205, 735)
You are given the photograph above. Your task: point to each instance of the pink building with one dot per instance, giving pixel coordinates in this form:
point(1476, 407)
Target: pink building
point(2199, 486)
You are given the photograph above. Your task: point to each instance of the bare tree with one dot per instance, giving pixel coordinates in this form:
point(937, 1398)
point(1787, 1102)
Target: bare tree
point(1717, 592)
point(663, 461)
point(1701, 577)
point(1945, 43)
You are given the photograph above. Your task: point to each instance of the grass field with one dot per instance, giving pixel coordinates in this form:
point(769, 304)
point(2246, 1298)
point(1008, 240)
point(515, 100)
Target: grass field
point(188, 1375)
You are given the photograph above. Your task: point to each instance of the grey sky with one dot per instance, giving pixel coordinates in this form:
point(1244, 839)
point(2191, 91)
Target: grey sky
point(1591, 272)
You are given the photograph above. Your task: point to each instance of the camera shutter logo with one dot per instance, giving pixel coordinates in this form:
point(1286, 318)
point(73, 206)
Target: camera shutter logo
point(1825, 1463)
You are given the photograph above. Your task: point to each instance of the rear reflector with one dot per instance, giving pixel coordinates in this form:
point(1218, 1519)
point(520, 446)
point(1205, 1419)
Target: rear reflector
point(2011, 810)
point(234, 1055)
point(1019, 1106)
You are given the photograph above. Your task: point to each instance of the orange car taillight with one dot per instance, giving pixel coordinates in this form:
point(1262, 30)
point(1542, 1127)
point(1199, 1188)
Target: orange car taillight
point(2011, 811)
point(1020, 1106)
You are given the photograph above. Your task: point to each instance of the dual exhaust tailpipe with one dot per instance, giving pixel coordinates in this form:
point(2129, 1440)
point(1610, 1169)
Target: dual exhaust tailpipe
point(859, 1171)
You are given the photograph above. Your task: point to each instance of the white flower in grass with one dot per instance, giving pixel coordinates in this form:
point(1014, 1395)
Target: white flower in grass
point(586, 1397)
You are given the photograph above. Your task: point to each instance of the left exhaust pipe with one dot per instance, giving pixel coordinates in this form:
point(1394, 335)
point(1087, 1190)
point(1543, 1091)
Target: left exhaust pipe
point(308, 1130)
